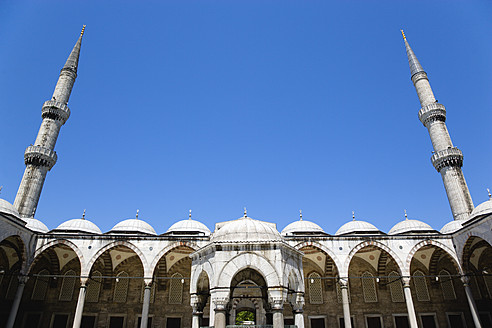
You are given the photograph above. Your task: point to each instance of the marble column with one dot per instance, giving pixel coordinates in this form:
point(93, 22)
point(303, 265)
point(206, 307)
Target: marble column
point(471, 302)
point(79, 310)
point(197, 316)
point(299, 318)
point(16, 301)
point(278, 318)
point(220, 313)
point(146, 303)
point(297, 309)
point(345, 303)
point(412, 318)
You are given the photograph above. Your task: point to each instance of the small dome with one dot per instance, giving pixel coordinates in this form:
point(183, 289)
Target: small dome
point(36, 225)
point(7, 208)
point(246, 229)
point(78, 225)
point(452, 226)
point(407, 225)
point(301, 226)
point(189, 226)
point(482, 209)
point(356, 226)
point(134, 226)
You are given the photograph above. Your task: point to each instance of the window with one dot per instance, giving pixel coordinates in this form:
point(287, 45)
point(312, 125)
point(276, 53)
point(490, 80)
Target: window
point(32, 320)
point(317, 322)
point(68, 284)
point(428, 320)
point(374, 321)
point(176, 289)
point(116, 321)
point(173, 323)
point(474, 287)
point(455, 320)
point(369, 288)
point(149, 322)
point(13, 284)
point(315, 289)
point(88, 321)
point(447, 285)
point(152, 293)
point(420, 283)
point(396, 288)
point(341, 322)
point(401, 321)
point(59, 321)
point(339, 292)
point(40, 286)
point(121, 288)
point(93, 288)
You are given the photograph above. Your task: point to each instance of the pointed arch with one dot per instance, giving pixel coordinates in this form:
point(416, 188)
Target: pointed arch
point(169, 248)
point(430, 242)
point(328, 251)
point(54, 243)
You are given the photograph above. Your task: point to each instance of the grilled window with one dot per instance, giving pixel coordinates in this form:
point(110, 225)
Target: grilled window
point(369, 288)
point(40, 286)
point(67, 286)
point(420, 283)
point(396, 287)
point(121, 287)
point(94, 288)
point(315, 289)
point(176, 289)
point(447, 285)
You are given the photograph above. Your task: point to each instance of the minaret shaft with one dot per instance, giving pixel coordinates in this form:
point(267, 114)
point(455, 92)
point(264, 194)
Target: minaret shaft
point(41, 157)
point(446, 158)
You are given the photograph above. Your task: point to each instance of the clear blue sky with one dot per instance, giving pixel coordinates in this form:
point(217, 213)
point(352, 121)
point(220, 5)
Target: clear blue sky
point(273, 105)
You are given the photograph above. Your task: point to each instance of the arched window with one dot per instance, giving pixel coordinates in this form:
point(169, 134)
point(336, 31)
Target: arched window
point(67, 286)
point(447, 285)
point(396, 287)
point(339, 293)
point(420, 283)
point(369, 288)
point(13, 284)
point(474, 287)
point(40, 286)
point(93, 287)
point(176, 289)
point(152, 292)
point(315, 289)
point(121, 287)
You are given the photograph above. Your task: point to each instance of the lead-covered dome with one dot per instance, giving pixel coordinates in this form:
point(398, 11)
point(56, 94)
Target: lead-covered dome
point(188, 227)
point(134, 226)
point(357, 227)
point(482, 209)
point(7, 208)
point(36, 225)
point(247, 230)
point(452, 226)
point(409, 226)
point(78, 225)
point(302, 227)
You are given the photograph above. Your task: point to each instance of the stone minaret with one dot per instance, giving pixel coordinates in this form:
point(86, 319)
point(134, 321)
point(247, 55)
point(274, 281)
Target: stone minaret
point(41, 156)
point(446, 158)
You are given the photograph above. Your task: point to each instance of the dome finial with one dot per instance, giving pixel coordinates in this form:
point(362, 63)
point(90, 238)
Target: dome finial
point(488, 191)
point(83, 215)
point(83, 29)
point(403, 34)
point(136, 215)
point(406, 216)
point(300, 215)
point(353, 215)
point(189, 216)
point(245, 212)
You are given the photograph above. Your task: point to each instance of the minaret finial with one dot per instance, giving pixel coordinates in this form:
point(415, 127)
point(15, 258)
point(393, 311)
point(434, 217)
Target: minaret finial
point(353, 215)
point(136, 215)
point(406, 216)
point(488, 191)
point(33, 212)
point(402, 33)
point(413, 62)
point(83, 30)
point(245, 212)
point(300, 215)
point(189, 216)
point(83, 215)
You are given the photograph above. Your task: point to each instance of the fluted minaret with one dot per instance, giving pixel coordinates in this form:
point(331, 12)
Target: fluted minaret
point(446, 158)
point(41, 156)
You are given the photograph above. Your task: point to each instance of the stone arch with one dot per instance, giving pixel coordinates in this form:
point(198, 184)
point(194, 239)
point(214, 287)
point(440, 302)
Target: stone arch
point(54, 243)
point(245, 261)
point(329, 252)
point(18, 244)
point(196, 272)
point(467, 250)
point(376, 244)
point(88, 267)
point(169, 248)
point(429, 242)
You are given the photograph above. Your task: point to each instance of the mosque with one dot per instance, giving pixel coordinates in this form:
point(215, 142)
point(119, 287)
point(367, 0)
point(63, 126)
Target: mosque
point(244, 273)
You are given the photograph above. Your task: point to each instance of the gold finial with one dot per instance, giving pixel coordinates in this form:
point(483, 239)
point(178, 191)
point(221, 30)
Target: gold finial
point(189, 216)
point(136, 216)
point(488, 191)
point(353, 215)
point(406, 216)
point(245, 212)
point(83, 29)
point(83, 215)
point(403, 34)
point(300, 215)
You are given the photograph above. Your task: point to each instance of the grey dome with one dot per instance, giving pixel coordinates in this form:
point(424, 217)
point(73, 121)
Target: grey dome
point(482, 209)
point(36, 225)
point(301, 226)
point(452, 226)
point(246, 229)
point(7, 208)
point(134, 226)
point(357, 226)
point(407, 226)
point(189, 226)
point(78, 225)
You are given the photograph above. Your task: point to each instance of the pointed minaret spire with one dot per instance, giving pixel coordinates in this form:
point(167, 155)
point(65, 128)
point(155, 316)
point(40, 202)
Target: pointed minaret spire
point(446, 158)
point(41, 157)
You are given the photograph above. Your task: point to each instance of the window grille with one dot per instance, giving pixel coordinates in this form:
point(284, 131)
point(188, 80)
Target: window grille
point(474, 288)
point(488, 283)
point(121, 287)
point(369, 288)
point(68, 284)
point(396, 287)
point(339, 293)
point(40, 286)
point(152, 293)
point(176, 289)
point(420, 283)
point(315, 289)
point(13, 284)
point(93, 288)
point(447, 285)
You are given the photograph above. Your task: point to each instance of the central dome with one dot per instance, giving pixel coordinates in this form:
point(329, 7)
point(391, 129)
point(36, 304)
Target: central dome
point(246, 230)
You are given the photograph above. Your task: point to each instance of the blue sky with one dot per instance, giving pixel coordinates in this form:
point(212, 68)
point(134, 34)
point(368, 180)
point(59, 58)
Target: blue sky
point(273, 105)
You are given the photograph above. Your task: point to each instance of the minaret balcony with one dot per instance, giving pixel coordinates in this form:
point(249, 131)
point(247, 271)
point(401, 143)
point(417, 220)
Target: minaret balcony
point(55, 110)
point(447, 157)
point(40, 156)
point(431, 113)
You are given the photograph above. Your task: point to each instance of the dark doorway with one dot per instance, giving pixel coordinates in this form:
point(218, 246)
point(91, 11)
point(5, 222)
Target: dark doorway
point(342, 322)
point(289, 321)
point(149, 322)
point(116, 322)
point(88, 321)
point(318, 323)
point(32, 320)
point(173, 323)
point(401, 321)
point(455, 321)
point(428, 321)
point(60, 321)
point(374, 322)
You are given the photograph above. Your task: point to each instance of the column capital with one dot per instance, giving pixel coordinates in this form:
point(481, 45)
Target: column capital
point(343, 283)
point(84, 281)
point(148, 282)
point(406, 282)
point(465, 280)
